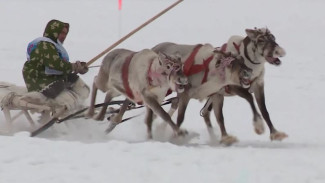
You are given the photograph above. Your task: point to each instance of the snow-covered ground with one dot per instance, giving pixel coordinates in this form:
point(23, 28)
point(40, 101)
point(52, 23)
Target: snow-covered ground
point(79, 151)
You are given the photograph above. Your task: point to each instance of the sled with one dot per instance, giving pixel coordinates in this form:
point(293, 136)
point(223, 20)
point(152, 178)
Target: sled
point(13, 106)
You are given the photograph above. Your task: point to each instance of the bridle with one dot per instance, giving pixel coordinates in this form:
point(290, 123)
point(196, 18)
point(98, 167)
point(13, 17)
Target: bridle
point(172, 67)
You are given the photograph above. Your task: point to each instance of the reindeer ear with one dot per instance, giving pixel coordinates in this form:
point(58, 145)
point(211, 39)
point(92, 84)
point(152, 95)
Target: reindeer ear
point(251, 33)
point(161, 58)
point(161, 55)
point(178, 56)
point(267, 30)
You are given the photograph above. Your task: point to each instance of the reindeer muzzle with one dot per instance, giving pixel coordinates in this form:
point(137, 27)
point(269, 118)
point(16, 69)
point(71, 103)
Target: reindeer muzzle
point(245, 78)
point(273, 61)
point(181, 83)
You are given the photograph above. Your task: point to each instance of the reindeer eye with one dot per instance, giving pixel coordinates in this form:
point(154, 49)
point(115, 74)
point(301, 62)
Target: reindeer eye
point(260, 41)
point(168, 66)
point(218, 63)
point(271, 37)
point(177, 67)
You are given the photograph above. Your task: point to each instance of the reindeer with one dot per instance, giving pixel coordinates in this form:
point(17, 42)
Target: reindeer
point(208, 71)
point(151, 76)
point(257, 48)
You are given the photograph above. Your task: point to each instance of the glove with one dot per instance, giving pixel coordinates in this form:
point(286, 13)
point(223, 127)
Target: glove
point(80, 67)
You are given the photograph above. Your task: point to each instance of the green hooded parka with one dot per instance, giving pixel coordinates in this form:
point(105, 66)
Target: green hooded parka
point(46, 55)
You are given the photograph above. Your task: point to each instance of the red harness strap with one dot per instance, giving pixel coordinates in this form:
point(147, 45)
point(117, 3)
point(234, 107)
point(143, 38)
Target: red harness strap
point(236, 46)
point(190, 60)
point(190, 69)
point(224, 47)
point(149, 74)
point(150, 79)
point(125, 76)
point(206, 65)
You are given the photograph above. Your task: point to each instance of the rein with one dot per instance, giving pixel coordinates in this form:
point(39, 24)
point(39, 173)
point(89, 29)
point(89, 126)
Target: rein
point(93, 66)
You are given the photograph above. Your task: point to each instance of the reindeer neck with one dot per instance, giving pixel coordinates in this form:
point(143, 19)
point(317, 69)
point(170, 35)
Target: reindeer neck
point(250, 57)
point(156, 76)
point(222, 68)
point(248, 52)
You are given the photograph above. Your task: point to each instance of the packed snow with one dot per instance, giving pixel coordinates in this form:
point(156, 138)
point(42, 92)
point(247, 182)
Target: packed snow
point(79, 150)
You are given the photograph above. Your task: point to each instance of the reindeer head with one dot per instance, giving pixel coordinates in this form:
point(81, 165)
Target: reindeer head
point(173, 69)
point(265, 45)
point(233, 69)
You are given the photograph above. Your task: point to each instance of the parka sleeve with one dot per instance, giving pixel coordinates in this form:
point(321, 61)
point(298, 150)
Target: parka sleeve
point(50, 57)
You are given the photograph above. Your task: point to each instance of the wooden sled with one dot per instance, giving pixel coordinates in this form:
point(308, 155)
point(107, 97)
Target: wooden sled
point(13, 105)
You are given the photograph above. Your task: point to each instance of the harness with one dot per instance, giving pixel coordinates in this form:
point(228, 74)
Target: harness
point(237, 47)
point(224, 47)
point(125, 76)
point(191, 69)
point(246, 41)
point(151, 75)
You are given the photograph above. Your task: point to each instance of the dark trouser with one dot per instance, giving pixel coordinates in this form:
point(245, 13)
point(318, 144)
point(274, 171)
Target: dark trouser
point(56, 87)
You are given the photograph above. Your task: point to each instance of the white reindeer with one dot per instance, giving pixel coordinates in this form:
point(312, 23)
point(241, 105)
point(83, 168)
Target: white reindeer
point(208, 71)
point(142, 77)
point(257, 48)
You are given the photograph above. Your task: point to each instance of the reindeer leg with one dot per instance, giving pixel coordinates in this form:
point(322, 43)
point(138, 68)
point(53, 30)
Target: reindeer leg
point(205, 113)
point(8, 118)
point(182, 105)
point(149, 120)
point(157, 109)
point(101, 115)
point(91, 111)
point(174, 106)
point(260, 99)
point(257, 119)
point(217, 108)
point(116, 119)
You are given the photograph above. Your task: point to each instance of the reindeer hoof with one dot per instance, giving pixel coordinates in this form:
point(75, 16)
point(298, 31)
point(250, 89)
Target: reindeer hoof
point(89, 113)
point(149, 137)
point(228, 140)
point(99, 118)
point(259, 126)
point(181, 132)
point(278, 136)
point(111, 126)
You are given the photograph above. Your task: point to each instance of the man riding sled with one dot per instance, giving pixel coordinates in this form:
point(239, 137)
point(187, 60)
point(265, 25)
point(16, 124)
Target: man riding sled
point(48, 74)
